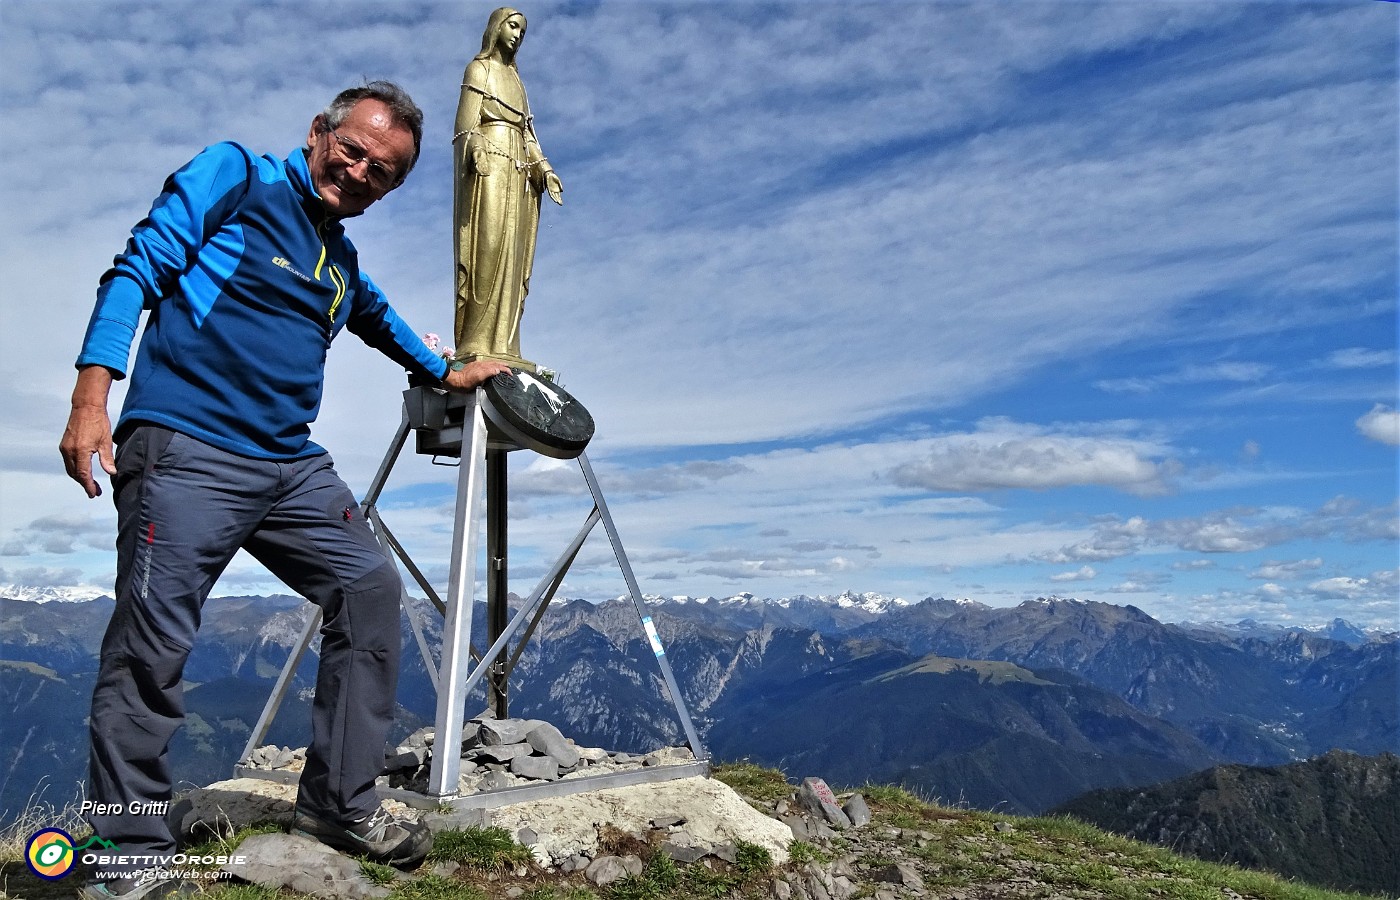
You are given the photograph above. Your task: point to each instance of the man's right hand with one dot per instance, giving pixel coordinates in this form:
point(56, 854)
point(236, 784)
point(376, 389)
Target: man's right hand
point(89, 430)
point(473, 374)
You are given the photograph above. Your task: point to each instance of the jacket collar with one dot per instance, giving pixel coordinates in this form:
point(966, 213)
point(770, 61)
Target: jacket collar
point(299, 174)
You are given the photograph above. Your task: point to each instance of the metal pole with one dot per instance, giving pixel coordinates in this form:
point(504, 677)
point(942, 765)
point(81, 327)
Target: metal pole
point(497, 577)
point(692, 738)
point(284, 680)
point(405, 601)
point(568, 560)
point(408, 563)
point(444, 774)
point(391, 456)
point(550, 579)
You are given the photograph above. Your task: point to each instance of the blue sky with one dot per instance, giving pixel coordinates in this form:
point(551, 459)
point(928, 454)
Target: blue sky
point(990, 300)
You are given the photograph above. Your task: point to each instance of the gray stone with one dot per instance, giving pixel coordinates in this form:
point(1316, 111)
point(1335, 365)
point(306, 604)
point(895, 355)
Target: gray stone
point(459, 818)
point(1004, 828)
point(423, 737)
point(505, 731)
point(683, 852)
point(222, 808)
point(593, 754)
point(548, 740)
point(727, 852)
point(408, 758)
point(495, 781)
point(303, 865)
point(501, 753)
point(815, 796)
point(857, 811)
point(900, 873)
point(527, 837)
point(798, 824)
point(842, 888)
point(446, 869)
point(541, 768)
point(175, 817)
point(667, 821)
point(515, 892)
point(606, 869)
point(781, 889)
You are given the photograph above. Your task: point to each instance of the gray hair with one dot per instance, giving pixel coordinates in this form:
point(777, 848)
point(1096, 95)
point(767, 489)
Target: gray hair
point(401, 106)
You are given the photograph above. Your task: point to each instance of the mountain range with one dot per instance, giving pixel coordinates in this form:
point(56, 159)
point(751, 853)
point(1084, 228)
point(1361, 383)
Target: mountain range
point(1332, 820)
point(1019, 708)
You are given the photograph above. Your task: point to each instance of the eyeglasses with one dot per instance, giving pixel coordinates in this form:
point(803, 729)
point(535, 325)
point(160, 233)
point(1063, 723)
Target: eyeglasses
point(351, 153)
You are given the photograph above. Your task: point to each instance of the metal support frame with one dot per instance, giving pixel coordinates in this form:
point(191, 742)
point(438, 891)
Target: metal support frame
point(481, 488)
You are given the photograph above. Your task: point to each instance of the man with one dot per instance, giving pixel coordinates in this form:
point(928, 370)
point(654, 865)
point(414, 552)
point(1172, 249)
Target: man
point(247, 274)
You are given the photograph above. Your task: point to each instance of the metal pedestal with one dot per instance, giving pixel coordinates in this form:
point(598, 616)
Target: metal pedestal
point(456, 425)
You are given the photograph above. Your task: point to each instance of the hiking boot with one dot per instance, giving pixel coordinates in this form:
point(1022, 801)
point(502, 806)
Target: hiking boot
point(380, 837)
point(144, 885)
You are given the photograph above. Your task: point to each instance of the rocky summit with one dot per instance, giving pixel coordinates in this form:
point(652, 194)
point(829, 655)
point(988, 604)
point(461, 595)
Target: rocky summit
point(744, 833)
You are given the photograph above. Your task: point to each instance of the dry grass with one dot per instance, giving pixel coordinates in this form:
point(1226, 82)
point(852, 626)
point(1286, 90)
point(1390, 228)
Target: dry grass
point(40, 813)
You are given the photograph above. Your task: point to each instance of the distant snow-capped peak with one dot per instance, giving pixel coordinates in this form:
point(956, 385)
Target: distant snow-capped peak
point(869, 602)
point(32, 594)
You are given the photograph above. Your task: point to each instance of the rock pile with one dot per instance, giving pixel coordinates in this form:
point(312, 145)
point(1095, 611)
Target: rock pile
point(495, 754)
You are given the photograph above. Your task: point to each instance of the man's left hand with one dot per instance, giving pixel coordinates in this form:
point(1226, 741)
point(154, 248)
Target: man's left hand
point(474, 374)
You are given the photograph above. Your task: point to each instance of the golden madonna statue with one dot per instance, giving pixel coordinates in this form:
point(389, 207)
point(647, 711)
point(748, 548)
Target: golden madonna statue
point(499, 174)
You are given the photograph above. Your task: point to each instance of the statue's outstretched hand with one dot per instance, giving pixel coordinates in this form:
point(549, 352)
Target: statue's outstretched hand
point(554, 187)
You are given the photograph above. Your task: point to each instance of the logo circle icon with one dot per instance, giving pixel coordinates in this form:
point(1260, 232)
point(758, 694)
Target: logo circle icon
point(49, 853)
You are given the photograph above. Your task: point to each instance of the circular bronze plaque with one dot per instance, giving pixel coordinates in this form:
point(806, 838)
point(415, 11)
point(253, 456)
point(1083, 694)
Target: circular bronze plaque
point(537, 414)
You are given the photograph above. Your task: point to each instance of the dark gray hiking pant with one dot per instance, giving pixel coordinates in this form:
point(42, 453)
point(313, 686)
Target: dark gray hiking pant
point(183, 509)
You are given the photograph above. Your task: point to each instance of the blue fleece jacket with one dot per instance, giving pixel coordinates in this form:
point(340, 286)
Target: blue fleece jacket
point(247, 281)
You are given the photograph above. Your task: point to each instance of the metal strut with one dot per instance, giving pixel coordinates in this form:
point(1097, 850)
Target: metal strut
point(481, 493)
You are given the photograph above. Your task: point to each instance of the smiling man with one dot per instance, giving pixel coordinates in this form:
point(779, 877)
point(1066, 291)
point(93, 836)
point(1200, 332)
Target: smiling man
point(247, 274)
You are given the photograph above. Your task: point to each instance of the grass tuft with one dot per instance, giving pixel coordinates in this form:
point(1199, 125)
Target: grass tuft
point(435, 887)
point(485, 849)
point(754, 782)
point(377, 873)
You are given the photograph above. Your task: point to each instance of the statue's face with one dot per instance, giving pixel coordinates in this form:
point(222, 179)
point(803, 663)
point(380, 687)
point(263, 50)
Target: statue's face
point(510, 34)
point(341, 163)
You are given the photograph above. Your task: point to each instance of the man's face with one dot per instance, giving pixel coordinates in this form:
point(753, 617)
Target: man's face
point(343, 163)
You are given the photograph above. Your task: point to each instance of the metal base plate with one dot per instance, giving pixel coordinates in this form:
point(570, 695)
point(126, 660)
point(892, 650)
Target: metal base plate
point(492, 799)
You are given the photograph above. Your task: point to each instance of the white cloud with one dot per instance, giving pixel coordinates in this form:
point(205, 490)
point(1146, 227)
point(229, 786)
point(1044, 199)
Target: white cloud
point(1282, 571)
point(1341, 587)
point(1358, 358)
point(1004, 455)
point(1381, 424)
point(1237, 372)
point(1084, 573)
